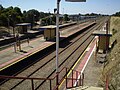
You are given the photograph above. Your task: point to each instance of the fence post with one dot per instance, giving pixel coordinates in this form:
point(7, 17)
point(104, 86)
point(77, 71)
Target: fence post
point(106, 88)
point(50, 85)
point(66, 77)
point(32, 84)
point(72, 78)
point(57, 79)
point(76, 78)
point(82, 79)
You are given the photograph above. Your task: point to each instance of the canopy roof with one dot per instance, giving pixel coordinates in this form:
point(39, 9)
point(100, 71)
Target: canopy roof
point(101, 33)
point(23, 24)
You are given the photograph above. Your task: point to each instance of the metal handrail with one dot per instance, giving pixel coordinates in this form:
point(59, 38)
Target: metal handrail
point(49, 79)
point(14, 77)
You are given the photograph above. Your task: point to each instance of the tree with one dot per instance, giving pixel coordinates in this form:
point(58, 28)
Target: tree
point(66, 18)
point(116, 14)
point(3, 19)
point(42, 15)
point(17, 9)
point(10, 15)
point(24, 16)
point(1, 8)
point(32, 16)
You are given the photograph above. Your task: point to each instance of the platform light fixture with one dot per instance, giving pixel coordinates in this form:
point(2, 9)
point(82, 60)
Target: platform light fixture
point(57, 33)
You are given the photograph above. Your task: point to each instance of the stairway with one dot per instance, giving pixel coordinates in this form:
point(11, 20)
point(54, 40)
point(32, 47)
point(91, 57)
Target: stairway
point(86, 88)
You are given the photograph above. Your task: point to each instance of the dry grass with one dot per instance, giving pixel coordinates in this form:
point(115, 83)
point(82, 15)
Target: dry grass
point(113, 66)
point(115, 27)
point(6, 32)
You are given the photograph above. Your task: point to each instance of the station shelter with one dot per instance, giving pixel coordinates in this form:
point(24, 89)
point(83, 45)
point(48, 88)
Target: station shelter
point(49, 32)
point(103, 40)
point(23, 27)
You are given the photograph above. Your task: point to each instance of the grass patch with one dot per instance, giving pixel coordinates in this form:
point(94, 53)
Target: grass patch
point(113, 66)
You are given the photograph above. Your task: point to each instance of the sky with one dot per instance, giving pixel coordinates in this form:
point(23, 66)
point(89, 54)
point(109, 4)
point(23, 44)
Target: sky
point(90, 6)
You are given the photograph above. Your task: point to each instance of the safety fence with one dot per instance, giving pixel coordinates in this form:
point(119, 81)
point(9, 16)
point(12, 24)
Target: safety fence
point(70, 78)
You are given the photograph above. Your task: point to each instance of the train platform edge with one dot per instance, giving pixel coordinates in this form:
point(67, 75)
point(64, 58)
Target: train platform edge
point(84, 60)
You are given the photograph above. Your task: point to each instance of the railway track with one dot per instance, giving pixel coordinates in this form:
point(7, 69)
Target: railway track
point(46, 66)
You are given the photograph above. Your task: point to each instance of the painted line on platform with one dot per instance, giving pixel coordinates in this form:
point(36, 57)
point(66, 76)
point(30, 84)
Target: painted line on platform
point(76, 63)
point(86, 63)
point(24, 56)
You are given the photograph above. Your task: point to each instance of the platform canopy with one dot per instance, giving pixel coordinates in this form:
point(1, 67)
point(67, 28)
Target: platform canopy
point(101, 33)
point(23, 24)
point(75, 0)
point(48, 27)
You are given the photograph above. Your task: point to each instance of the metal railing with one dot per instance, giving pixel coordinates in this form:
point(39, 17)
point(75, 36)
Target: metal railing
point(75, 79)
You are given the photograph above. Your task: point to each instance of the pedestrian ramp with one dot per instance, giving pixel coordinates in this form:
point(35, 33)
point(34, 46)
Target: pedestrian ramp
point(86, 88)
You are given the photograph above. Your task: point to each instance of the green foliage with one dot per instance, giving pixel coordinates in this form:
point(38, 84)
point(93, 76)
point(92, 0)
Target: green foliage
point(49, 20)
point(66, 18)
point(10, 15)
point(43, 15)
point(116, 14)
point(18, 11)
point(13, 15)
point(32, 15)
point(3, 19)
point(93, 14)
point(1, 8)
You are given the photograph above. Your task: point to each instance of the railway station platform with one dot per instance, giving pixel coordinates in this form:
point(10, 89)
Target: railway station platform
point(9, 57)
point(84, 66)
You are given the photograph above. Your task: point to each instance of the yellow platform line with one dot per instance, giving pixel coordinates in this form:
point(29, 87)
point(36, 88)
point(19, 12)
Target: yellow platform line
point(22, 58)
point(76, 63)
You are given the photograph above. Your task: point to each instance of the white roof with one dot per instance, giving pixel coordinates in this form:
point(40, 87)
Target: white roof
point(23, 24)
point(50, 26)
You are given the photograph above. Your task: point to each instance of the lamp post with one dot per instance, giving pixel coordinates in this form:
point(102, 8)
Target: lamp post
point(57, 41)
point(8, 22)
point(57, 34)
